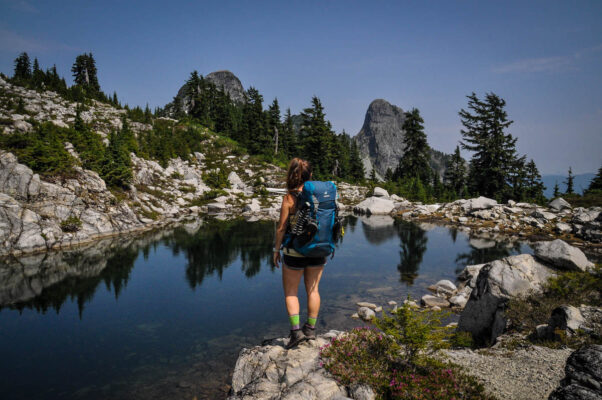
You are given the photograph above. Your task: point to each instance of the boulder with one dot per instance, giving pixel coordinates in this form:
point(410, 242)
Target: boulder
point(253, 206)
point(235, 181)
point(559, 204)
point(366, 314)
point(543, 215)
point(562, 227)
point(566, 318)
point(444, 286)
point(380, 192)
point(459, 300)
point(470, 273)
point(583, 375)
point(498, 282)
point(479, 203)
point(434, 301)
point(272, 372)
point(361, 392)
point(562, 255)
point(375, 205)
point(371, 306)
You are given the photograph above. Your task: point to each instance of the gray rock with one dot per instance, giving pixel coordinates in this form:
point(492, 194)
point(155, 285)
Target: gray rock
point(559, 204)
point(562, 255)
point(563, 227)
point(470, 273)
point(583, 375)
point(446, 285)
point(235, 181)
point(366, 313)
point(566, 318)
point(270, 372)
point(380, 192)
point(253, 206)
point(497, 282)
point(459, 300)
point(375, 205)
point(543, 215)
point(434, 301)
point(362, 392)
point(479, 203)
point(371, 306)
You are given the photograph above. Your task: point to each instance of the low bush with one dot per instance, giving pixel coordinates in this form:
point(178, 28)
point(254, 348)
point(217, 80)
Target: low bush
point(217, 179)
point(395, 361)
point(71, 224)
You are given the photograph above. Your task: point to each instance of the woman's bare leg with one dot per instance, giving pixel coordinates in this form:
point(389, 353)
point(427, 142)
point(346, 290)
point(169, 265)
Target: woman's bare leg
point(290, 283)
point(312, 278)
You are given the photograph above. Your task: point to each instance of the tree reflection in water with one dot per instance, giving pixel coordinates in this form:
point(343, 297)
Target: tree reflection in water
point(485, 250)
point(413, 245)
point(48, 281)
point(217, 244)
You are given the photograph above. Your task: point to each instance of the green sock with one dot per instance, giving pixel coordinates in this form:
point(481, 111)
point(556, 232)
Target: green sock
point(294, 320)
point(311, 321)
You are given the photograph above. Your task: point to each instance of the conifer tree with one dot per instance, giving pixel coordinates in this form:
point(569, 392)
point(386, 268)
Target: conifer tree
point(288, 138)
point(355, 163)
point(373, 176)
point(22, 68)
point(455, 175)
point(535, 186)
point(274, 124)
point(556, 190)
point(253, 133)
point(389, 175)
point(116, 169)
point(85, 74)
point(570, 182)
point(494, 151)
point(415, 160)
point(317, 137)
point(596, 183)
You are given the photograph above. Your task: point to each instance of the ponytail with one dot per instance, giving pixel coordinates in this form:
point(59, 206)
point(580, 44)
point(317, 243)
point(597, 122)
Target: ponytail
point(299, 171)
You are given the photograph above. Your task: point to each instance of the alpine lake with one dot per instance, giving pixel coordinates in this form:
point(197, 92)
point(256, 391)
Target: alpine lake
point(164, 315)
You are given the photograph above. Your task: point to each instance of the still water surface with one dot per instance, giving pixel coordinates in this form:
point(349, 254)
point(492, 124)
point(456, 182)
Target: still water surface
point(165, 315)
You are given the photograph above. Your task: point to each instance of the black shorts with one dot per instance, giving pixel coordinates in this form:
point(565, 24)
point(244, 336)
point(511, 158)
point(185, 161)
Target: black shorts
point(300, 263)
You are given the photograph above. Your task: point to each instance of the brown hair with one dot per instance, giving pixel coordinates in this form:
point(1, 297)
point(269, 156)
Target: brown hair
point(299, 171)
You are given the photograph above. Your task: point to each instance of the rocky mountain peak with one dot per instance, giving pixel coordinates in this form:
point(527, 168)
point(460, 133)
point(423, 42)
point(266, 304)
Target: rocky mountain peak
point(223, 80)
point(380, 140)
point(228, 82)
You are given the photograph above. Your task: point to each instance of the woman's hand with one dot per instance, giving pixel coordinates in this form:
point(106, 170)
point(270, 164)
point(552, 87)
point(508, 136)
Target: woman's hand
point(277, 259)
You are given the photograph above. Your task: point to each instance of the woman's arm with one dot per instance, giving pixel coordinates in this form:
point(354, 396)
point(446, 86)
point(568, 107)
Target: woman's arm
point(281, 229)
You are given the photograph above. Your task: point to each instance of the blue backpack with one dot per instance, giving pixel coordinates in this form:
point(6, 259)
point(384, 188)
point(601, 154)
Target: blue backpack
point(318, 226)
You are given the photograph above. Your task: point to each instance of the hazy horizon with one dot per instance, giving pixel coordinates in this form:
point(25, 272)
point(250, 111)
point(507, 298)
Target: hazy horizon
point(543, 58)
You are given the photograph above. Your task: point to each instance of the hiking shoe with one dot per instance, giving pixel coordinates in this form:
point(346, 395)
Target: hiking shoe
point(295, 338)
point(309, 332)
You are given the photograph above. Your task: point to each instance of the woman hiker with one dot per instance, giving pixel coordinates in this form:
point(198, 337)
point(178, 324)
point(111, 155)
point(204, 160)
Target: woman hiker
point(296, 265)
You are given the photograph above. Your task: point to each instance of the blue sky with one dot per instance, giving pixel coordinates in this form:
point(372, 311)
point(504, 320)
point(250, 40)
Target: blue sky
point(543, 57)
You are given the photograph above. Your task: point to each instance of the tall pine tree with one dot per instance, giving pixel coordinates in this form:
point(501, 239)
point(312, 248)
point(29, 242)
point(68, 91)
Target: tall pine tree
point(455, 175)
point(414, 162)
point(570, 182)
point(494, 151)
point(22, 68)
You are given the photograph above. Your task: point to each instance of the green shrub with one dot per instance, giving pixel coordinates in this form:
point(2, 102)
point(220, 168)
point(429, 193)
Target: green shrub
point(71, 224)
point(416, 332)
point(461, 339)
point(217, 179)
point(207, 197)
